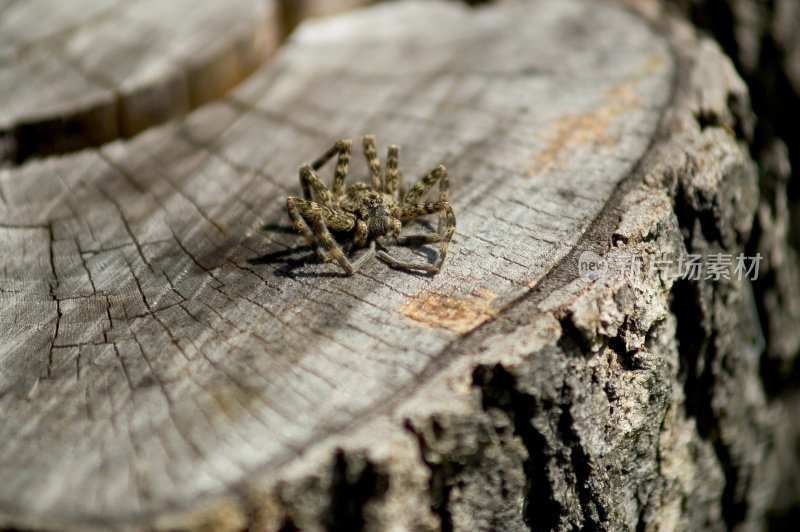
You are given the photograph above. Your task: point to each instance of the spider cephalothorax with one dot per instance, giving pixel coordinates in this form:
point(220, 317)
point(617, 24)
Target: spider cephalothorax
point(373, 213)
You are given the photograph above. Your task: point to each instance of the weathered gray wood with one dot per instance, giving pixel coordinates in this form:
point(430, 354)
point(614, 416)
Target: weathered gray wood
point(173, 357)
point(82, 73)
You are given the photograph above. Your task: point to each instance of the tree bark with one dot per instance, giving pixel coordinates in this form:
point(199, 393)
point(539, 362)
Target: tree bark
point(173, 356)
point(761, 39)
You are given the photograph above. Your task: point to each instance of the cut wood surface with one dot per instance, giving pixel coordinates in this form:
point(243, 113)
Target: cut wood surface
point(174, 356)
point(76, 74)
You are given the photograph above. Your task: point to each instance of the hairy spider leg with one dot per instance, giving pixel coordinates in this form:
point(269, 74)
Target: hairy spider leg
point(321, 230)
point(321, 219)
point(310, 180)
point(361, 233)
point(410, 211)
point(342, 147)
point(392, 176)
point(298, 208)
point(373, 161)
point(424, 184)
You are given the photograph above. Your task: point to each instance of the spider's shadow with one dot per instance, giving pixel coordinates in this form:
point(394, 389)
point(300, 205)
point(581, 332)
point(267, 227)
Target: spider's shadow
point(283, 260)
point(287, 261)
point(278, 228)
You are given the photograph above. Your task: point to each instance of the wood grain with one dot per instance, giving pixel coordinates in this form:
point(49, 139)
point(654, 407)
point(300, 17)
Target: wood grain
point(86, 73)
point(173, 356)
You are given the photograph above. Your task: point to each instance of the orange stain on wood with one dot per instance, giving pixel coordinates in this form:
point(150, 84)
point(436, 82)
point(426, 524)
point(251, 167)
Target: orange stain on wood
point(458, 313)
point(586, 129)
point(653, 64)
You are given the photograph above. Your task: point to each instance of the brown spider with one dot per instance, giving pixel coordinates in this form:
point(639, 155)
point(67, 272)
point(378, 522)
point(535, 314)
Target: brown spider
point(373, 213)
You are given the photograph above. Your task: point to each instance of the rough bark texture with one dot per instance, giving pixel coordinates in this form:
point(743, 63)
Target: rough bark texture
point(761, 38)
point(173, 357)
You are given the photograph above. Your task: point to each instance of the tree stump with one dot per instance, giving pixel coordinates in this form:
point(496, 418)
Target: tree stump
point(89, 72)
point(173, 356)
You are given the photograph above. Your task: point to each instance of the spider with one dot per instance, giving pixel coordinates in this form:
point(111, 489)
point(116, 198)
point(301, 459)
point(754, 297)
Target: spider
point(373, 213)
